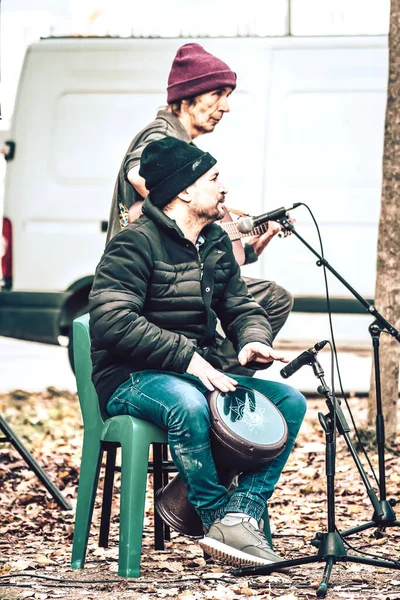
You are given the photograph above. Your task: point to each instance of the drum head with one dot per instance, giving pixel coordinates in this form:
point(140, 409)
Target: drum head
point(248, 422)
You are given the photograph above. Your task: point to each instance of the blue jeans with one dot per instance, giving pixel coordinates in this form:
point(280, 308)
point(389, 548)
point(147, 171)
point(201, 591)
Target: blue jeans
point(177, 403)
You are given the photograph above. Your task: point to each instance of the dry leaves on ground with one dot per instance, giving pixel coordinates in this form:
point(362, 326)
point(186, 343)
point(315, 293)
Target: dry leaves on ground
point(36, 536)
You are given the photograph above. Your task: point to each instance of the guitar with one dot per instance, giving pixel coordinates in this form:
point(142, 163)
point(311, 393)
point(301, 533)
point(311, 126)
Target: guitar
point(231, 228)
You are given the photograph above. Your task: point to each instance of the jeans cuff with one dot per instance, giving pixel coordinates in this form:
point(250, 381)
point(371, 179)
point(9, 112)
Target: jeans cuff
point(209, 516)
point(243, 504)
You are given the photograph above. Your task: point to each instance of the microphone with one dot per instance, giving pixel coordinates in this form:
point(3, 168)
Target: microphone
point(304, 358)
point(247, 224)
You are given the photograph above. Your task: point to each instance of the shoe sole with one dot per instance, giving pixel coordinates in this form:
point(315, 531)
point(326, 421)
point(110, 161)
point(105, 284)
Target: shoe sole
point(231, 556)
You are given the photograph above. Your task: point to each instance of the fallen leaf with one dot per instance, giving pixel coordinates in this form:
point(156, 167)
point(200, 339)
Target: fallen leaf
point(173, 566)
point(246, 591)
point(220, 593)
point(41, 559)
point(188, 595)
point(5, 569)
point(20, 565)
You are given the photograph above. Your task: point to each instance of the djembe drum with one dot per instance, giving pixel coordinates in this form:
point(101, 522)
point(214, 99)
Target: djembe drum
point(247, 429)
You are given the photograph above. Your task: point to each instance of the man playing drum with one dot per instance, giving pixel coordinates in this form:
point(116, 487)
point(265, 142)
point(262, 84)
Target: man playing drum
point(158, 290)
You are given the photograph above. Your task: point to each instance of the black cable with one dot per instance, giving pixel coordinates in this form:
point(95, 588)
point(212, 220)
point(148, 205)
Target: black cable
point(328, 305)
point(46, 585)
point(361, 445)
point(377, 556)
point(19, 585)
point(47, 578)
point(105, 581)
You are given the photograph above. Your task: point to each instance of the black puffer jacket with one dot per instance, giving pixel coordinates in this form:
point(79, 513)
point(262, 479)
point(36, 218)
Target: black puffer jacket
point(155, 300)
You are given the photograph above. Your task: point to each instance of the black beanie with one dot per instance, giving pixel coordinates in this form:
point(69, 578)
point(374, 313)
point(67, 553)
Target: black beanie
point(169, 166)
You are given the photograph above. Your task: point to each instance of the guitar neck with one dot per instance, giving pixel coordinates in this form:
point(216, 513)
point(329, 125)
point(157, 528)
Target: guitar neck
point(230, 227)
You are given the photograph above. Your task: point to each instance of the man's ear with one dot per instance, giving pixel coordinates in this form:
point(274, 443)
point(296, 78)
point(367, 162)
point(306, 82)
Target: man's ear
point(186, 196)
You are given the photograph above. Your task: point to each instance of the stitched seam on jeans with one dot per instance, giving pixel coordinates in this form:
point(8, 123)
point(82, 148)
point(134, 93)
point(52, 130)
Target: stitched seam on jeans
point(191, 450)
point(150, 397)
point(118, 399)
point(250, 487)
point(125, 402)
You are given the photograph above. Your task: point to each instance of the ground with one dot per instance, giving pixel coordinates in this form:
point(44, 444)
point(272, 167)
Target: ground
point(36, 536)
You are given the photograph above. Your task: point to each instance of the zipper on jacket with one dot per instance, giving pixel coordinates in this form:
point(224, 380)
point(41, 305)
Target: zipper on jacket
point(201, 264)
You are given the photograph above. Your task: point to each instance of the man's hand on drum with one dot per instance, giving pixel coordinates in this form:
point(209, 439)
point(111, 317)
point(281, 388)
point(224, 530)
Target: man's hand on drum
point(209, 376)
point(261, 353)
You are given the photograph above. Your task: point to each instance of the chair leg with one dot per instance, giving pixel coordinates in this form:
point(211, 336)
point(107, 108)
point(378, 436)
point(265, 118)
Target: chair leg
point(92, 454)
point(107, 496)
point(157, 484)
point(134, 461)
point(165, 458)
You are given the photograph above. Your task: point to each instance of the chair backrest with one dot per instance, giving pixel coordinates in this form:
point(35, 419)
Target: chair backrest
point(88, 398)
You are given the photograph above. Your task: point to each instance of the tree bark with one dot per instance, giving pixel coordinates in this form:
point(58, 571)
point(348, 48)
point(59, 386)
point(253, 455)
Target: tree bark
point(387, 291)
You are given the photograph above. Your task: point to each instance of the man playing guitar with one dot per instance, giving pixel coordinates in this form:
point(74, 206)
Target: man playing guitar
point(199, 86)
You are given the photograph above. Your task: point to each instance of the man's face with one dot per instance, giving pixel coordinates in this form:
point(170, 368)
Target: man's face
point(208, 197)
point(209, 109)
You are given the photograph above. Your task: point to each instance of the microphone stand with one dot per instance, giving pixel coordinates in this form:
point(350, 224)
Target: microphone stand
point(385, 517)
point(330, 544)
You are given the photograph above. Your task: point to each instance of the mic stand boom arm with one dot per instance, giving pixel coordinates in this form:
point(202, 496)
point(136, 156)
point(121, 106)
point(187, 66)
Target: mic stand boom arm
point(386, 515)
point(370, 308)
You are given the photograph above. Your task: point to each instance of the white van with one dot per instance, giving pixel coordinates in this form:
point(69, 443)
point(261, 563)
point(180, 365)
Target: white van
point(306, 125)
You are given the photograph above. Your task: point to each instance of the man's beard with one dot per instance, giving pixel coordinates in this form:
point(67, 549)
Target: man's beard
point(210, 214)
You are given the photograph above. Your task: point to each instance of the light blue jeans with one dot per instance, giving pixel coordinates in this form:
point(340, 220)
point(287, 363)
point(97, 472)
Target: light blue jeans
point(177, 403)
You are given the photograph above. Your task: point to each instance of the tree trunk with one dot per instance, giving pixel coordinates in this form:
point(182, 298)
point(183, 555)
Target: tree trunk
point(387, 291)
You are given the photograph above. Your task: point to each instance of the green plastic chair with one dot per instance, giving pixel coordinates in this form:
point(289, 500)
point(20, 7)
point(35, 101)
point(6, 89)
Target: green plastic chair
point(134, 436)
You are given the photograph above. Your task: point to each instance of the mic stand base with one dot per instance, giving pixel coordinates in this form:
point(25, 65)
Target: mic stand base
point(330, 544)
point(331, 551)
point(387, 519)
point(388, 516)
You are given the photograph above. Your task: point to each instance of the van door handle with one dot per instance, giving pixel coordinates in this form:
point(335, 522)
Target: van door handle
point(8, 150)
point(103, 226)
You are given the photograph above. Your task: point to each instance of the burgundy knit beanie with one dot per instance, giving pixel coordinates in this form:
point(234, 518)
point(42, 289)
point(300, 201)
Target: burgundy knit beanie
point(196, 71)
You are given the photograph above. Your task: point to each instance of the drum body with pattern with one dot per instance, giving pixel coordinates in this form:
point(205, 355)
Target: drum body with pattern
point(246, 430)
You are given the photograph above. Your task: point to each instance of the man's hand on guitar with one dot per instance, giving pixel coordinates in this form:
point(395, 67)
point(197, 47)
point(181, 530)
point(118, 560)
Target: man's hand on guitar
point(260, 242)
